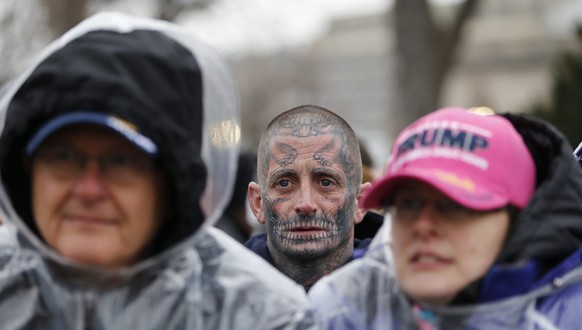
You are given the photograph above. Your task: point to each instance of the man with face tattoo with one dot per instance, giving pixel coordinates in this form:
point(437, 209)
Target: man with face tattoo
point(309, 171)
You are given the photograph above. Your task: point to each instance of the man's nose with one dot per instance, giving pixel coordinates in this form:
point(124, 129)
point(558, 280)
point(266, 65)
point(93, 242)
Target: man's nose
point(90, 185)
point(306, 204)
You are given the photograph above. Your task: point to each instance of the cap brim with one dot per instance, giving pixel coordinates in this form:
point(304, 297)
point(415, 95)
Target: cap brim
point(469, 193)
point(117, 125)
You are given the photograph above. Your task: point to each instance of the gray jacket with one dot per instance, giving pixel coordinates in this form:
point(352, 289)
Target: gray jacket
point(196, 277)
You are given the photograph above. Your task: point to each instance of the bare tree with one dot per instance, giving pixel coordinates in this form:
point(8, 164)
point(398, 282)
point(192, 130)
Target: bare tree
point(20, 39)
point(425, 53)
point(64, 14)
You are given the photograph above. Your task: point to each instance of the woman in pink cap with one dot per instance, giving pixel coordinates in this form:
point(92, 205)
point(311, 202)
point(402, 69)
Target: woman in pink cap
point(486, 231)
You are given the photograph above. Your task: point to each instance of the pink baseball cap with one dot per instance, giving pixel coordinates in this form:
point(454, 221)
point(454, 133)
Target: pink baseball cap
point(479, 161)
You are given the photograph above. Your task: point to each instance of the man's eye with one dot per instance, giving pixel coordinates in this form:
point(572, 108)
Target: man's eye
point(326, 183)
point(283, 183)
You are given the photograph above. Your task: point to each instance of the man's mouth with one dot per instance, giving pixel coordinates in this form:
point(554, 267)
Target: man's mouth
point(305, 232)
point(312, 229)
point(311, 225)
point(305, 228)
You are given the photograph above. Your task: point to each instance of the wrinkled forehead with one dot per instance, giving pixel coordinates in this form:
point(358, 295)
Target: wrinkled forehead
point(322, 150)
point(305, 126)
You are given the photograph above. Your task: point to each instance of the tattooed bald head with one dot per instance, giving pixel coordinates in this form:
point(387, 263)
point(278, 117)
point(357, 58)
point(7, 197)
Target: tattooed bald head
point(309, 170)
point(308, 121)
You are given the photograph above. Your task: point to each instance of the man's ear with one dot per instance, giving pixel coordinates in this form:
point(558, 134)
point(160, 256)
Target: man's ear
point(256, 202)
point(360, 211)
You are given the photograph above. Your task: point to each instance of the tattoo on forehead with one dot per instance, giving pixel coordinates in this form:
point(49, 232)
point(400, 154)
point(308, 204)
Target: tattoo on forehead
point(305, 126)
point(320, 154)
point(289, 154)
point(349, 164)
point(345, 156)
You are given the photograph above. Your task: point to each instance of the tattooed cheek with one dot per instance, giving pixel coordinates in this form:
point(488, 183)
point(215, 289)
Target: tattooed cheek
point(280, 200)
point(334, 200)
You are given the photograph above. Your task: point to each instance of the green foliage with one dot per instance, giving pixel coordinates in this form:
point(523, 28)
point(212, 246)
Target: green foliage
point(564, 108)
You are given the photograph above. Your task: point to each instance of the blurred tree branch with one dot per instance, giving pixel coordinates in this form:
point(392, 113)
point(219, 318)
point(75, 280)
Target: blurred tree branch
point(170, 9)
point(21, 39)
point(64, 14)
point(425, 53)
point(562, 108)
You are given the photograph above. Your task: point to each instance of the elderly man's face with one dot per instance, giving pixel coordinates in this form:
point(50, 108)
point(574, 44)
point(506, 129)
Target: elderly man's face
point(96, 198)
point(308, 200)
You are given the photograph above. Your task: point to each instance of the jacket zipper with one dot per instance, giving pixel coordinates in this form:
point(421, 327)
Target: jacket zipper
point(89, 302)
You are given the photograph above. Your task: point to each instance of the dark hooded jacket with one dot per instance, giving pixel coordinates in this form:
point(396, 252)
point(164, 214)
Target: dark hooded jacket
point(536, 282)
point(180, 94)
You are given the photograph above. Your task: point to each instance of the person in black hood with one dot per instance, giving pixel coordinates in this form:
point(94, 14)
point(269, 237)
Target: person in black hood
point(310, 172)
point(117, 154)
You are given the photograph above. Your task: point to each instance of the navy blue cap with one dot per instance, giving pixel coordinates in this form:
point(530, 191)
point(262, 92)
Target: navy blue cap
point(120, 126)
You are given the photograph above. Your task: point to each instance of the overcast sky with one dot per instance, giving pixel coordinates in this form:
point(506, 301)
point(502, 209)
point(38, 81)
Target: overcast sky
point(257, 26)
